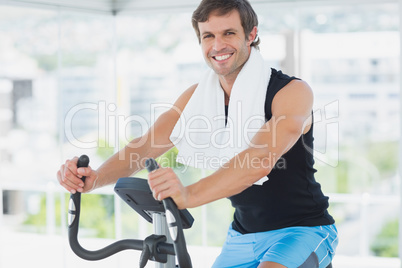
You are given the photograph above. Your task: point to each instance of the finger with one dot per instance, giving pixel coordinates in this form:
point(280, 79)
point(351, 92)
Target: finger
point(155, 174)
point(160, 175)
point(71, 187)
point(90, 178)
point(157, 191)
point(158, 184)
point(59, 176)
point(84, 171)
point(72, 165)
point(170, 191)
point(154, 182)
point(68, 176)
point(70, 181)
point(168, 188)
point(67, 186)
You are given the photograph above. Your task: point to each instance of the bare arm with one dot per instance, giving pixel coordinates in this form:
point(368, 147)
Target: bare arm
point(131, 158)
point(291, 110)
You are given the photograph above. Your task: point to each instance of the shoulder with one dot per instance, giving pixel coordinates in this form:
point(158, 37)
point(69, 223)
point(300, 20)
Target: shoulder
point(176, 110)
point(297, 86)
point(168, 119)
point(295, 89)
point(297, 93)
point(183, 99)
point(282, 84)
point(188, 92)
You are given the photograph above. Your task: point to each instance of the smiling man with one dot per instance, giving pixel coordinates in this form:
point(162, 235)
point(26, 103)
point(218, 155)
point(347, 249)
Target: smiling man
point(223, 45)
point(255, 127)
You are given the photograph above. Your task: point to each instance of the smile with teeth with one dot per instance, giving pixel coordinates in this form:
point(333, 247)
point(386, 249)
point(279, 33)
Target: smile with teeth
point(222, 57)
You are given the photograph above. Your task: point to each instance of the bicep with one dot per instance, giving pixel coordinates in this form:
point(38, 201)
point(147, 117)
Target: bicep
point(292, 106)
point(291, 114)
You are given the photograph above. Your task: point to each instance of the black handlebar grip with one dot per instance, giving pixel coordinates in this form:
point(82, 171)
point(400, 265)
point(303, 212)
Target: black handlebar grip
point(75, 199)
point(174, 224)
point(74, 208)
point(151, 164)
point(83, 161)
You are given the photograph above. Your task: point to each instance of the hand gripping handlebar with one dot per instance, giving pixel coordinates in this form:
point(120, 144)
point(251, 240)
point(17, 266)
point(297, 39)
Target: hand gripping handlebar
point(73, 221)
point(157, 244)
point(174, 224)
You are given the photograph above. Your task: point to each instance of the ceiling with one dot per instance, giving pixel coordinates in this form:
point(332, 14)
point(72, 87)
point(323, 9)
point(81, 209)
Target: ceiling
point(137, 6)
point(107, 6)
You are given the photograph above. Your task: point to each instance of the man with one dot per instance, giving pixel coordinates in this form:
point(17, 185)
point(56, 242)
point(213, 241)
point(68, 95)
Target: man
point(281, 217)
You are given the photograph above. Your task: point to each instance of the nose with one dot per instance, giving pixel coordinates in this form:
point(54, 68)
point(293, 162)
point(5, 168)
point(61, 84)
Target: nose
point(219, 44)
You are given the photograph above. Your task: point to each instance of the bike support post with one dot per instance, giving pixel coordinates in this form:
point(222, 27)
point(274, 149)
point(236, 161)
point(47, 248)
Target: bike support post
point(161, 228)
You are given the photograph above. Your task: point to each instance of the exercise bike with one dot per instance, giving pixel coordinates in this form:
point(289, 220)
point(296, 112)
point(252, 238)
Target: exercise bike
point(162, 247)
point(169, 222)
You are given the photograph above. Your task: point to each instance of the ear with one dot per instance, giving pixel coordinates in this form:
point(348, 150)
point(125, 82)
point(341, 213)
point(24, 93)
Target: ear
point(252, 35)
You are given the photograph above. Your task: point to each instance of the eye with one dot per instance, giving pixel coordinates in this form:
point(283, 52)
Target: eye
point(230, 33)
point(206, 36)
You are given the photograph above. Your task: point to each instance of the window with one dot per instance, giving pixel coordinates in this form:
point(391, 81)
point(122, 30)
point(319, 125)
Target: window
point(75, 82)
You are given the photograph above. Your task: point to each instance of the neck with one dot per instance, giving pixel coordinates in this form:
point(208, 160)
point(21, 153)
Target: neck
point(226, 86)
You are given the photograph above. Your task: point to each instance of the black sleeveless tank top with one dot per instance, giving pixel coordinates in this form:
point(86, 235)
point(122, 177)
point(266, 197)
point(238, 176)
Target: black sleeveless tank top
point(291, 196)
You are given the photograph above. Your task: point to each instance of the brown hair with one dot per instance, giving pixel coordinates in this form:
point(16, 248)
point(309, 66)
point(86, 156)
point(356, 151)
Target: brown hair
point(247, 15)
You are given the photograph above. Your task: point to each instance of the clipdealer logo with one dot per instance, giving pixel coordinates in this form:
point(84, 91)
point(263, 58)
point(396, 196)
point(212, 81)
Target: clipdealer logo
point(326, 130)
point(112, 127)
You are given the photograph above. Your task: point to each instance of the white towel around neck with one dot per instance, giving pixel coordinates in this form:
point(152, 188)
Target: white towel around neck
point(200, 134)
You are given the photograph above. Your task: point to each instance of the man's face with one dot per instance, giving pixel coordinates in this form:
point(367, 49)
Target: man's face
point(224, 44)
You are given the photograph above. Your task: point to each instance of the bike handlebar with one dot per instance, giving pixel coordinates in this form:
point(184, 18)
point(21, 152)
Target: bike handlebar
point(172, 216)
point(74, 217)
point(174, 223)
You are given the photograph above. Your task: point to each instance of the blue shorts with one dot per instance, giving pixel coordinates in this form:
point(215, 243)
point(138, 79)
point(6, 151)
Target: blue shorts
point(291, 247)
